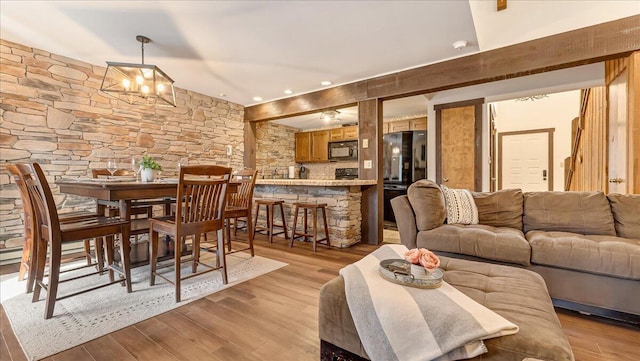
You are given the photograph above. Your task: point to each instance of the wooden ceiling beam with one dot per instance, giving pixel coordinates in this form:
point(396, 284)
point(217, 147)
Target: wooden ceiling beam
point(574, 48)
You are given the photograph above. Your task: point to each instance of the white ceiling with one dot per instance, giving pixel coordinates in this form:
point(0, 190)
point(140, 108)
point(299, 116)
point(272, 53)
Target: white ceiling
point(260, 48)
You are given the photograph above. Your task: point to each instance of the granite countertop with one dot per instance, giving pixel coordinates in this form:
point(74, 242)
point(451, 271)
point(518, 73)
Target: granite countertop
point(316, 182)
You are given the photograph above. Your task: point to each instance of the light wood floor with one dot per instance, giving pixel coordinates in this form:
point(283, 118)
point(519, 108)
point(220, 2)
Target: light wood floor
point(274, 317)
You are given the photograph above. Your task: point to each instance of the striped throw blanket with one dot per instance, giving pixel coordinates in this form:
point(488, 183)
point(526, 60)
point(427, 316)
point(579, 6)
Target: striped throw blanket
point(396, 322)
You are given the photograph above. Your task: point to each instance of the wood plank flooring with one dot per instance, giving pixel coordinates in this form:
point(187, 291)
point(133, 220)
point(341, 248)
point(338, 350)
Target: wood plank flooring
point(274, 317)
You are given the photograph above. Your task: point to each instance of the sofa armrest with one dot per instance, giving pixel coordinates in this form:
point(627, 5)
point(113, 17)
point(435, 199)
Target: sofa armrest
point(406, 221)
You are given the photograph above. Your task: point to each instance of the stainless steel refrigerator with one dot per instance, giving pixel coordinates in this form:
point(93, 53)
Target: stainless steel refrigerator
point(404, 161)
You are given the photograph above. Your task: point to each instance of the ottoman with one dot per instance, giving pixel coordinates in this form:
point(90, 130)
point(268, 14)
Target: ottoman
point(517, 294)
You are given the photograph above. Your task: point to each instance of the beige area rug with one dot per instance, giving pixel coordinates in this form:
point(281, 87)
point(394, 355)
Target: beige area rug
point(390, 236)
point(82, 318)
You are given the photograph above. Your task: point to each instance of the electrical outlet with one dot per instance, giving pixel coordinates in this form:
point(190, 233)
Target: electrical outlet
point(365, 143)
point(229, 150)
point(368, 164)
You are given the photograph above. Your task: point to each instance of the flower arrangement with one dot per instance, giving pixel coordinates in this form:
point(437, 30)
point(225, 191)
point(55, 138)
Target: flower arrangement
point(149, 163)
point(423, 257)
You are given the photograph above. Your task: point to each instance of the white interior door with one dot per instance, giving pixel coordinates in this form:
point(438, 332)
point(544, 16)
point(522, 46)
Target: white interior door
point(525, 162)
point(618, 134)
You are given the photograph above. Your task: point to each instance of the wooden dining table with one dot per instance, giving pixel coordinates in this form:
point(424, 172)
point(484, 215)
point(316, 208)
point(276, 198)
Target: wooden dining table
point(125, 194)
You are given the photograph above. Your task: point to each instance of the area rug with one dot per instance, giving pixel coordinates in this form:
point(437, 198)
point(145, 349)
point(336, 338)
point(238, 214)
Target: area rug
point(79, 319)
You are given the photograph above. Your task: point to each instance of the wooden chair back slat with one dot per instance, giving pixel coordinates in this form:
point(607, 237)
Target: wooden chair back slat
point(203, 191)
point(29, 219)
point(42, 200)
point(246, 180)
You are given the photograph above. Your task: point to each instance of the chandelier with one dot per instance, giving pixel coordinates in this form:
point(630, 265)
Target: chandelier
point(330, 115)
point(138, 84)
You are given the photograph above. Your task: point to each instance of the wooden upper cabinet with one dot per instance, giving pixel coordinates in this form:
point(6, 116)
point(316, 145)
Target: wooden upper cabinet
point(399, 126)
point(350, 132)
point(320, 146)
point(336, 134)
point(303, 147)
point(418, 124)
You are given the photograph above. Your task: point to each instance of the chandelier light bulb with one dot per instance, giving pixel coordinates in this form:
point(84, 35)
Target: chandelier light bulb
point(139, 79)
point(126, 83)
point(145, 89)
point(160, 88)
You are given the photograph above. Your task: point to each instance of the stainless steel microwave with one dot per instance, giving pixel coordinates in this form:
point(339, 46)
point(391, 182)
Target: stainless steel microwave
point(347, 150)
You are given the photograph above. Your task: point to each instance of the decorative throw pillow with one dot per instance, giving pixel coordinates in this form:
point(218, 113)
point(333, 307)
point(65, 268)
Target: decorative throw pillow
point(461, 208)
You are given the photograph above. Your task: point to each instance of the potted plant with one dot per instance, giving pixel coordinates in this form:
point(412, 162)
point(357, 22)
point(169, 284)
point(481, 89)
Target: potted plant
point(148, 165)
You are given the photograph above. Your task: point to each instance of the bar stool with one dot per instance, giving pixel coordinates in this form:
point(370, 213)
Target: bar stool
point(270, 204)
point(313, 207)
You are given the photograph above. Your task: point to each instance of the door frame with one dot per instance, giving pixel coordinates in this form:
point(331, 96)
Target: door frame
point(477, 103)
point(549, 132)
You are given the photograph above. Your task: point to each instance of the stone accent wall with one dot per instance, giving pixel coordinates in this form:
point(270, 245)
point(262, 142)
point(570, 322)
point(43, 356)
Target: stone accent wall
point(344, 215)
point(275, 149)
point(52, 112)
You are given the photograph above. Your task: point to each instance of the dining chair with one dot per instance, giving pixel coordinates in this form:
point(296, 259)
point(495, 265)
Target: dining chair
point(201, 199)
point(49, 234)
point(29, 249)
point(239, 205)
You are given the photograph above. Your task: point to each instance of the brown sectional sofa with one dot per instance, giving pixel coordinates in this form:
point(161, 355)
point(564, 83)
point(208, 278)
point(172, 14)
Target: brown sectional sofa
point(586, 245)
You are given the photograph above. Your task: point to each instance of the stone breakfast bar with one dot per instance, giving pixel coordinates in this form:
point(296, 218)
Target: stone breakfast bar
point(343, 199)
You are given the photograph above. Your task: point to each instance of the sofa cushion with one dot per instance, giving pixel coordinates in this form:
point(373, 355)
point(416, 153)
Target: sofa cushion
point(605, 255)
point(499, 244)
point(428, 204)
point(576, 212)
point(500, 209)
point(626, 214)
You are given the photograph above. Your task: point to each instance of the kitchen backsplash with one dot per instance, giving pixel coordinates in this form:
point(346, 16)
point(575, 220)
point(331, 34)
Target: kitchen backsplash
point(325, 170)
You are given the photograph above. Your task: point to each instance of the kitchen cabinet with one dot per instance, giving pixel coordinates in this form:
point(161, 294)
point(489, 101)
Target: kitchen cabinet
point(336, 134)
point(350, 132)
point(418, 124)
point(343, 133)
point(399, 126)
point(312, 146)
point(303, 147)
point(320, 146)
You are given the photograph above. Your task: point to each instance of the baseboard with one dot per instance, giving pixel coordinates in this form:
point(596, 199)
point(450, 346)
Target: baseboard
point(597, 311)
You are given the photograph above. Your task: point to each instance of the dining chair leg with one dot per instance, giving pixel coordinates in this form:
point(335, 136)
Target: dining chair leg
point(255, 220)
point(40, 264)
point(176, 259)
point(195, 251)
point(227, 229)
point(108, 255)
point(125, 255)
point(87, 251)
point(284, 222)
point(250, 232)
point(222, 258)
point(153, 256)
point(54, 277)
point(98, 246)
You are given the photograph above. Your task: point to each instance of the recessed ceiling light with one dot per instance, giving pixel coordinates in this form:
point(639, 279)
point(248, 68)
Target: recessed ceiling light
point(257, 99)
point(325, 83)
point(288, 91)
point(459, 44)
point(222, 95)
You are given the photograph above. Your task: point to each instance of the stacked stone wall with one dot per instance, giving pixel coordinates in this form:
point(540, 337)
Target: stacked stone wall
point(52, 112)
point(275, 149)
